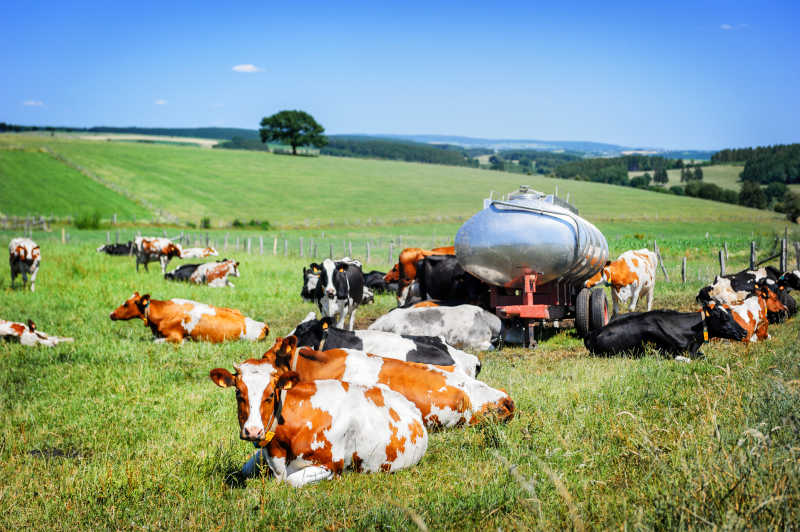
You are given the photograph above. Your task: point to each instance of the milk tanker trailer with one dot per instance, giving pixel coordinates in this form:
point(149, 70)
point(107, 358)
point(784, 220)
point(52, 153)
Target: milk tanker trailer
point(535, 252)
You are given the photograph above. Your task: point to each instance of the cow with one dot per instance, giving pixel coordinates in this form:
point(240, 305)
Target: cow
point(319, 334)
point(375, 282)
point(340, 290)
point(671, 332)
point(215, 274)
point(28, 335)
point(181, 273)
point(441, 278)
point(312, 431)
point(445, 396)
point(117, 249)
point(733, 289)
point(751, 315)
point(155, 249)
point(174, 320)
point(24, 258)
point(632, 276)
point(405, 271)
point(198, 253)
point(310, 280)
point(464, 326)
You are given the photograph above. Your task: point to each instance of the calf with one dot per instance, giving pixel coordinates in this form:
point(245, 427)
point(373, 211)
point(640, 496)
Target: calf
point(28, 335)
point(446, 397)
point(215, 274)
point(174, 320)
point(181, 273)
point(318, 334)
point(155, 249)
point(339, 291)
point(311, 431)
point(198, 253)
point(465, 326)
point(117, 249)
point(24, 258)
point(669, 331)
point(405, 271)
point(631, 276)
point(375, 282)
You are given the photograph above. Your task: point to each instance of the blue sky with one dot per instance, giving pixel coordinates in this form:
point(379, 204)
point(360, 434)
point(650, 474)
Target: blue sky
point(695, 74)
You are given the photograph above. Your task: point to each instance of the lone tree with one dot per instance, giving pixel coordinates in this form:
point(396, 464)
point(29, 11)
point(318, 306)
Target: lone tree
point(296, 128)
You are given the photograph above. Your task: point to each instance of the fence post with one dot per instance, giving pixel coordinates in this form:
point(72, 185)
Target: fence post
point(115, 219)
point(797, 254)
point(783, 255)
point(63, 236)
point(116, 237)
point(301, 247)
point(275, 246)
point(683, 270)
point(313, 249)
point(206, 238)
point(350, 248)
point(727, 257)
point(261, 244)
point(721, 263)
point(391, 252)
point(285, 248)
point(367, 250)
point(237, 243)
point(330, 251)
point(108, 237)
point(752, 255)
point(248, 246)
point(660, 260)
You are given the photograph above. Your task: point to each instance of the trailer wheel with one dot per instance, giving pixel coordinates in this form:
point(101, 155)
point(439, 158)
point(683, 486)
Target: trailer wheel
point(582, 312)
point(598, 308)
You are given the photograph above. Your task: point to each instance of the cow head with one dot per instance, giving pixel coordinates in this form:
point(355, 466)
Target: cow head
point(171, 250)
point(393, 275)
point(720, 322)
point(599, 277)
point(233, 268)
point(310, 281)
point(310, 332)
point(210, 252)
point(333, 280)
point(770, 293)
point(257, 383)
point(133, 307)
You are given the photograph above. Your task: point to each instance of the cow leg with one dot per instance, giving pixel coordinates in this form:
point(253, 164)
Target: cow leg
point(634, 300)
point(13, 276)
point(24, 277)
point(33, 278)
point(650, 293)
point(308, 475)
point(615, 300)
point(352, 319)
point(164, 262)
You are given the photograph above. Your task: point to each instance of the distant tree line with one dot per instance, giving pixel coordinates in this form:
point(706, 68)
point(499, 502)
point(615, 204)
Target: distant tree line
point(397, 150)
point(765, 164)
point(535, 161)
point(614, 170)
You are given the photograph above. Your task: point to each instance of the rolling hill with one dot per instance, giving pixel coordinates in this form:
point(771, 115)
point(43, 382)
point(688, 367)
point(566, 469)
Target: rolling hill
point(188, 183)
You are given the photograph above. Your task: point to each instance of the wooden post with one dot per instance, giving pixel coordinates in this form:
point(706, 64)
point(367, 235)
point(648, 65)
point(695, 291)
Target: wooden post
point(797, 254)
point(275, 246)
point(683, 270)
point(721, 263)
point(63, 236)
point(206, 238)
point(660, 261)
point(301, 247)
point(114, 221)
point(567, 200)
point(261, 245)
point(248, 245)
point(313, 249)
point(285, 248)
point(330, 251)
point(350, 248)
point(164, 233)
point(726, 250)
point(783, 255)
point(752, 255)
point(108, 237)
point(116, 237)
point(391, 252)
point(367, 250)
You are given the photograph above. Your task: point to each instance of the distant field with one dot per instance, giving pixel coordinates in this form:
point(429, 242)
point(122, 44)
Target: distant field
point(34, 182)
point(723, 175)
point(204, 143)
point(190, 183)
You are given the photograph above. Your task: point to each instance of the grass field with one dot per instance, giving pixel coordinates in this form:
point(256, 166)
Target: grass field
point(33, 182)
point(725, 176)
point(116, 432)
point(190, 183)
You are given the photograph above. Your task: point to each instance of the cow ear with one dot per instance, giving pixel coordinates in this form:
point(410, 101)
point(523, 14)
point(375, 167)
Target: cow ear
point(289, 345)
point(608, 263)
point(237, 264)
point(326, 322)
point(145, 299)
point(222, 377)
point(287, 380)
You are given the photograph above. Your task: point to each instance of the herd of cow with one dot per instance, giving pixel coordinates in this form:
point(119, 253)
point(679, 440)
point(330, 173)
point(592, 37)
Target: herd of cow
point(326, 397)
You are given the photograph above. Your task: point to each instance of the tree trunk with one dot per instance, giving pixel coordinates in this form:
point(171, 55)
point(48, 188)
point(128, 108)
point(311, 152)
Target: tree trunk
point(294, 149)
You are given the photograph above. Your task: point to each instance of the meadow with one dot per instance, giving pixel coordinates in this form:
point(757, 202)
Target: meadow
point(725, 176)
point(115, 432)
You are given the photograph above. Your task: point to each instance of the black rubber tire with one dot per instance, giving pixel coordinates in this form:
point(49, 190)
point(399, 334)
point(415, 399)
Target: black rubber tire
point(582, 312)
point(598, 308)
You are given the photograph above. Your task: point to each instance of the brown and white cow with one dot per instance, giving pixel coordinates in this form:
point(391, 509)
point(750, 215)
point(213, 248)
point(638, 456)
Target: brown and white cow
point(174, 320)
point(311, 431)
point(154, 249)
point(215, 274)
point(28, 335)
point(24, 257)
point(446, 396)
point(631, 276)
point(405, 271)
point(752, 314)
point(198, 253)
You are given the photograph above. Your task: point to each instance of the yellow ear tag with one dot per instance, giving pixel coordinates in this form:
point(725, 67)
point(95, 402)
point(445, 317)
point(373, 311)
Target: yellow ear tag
point(705, 336)
point(324, 325)
point(267, 439)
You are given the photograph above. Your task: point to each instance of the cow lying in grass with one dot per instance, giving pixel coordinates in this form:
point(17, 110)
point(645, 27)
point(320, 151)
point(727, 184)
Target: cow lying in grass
point(671, 332)
point(311, 431)
point(319, 334)
point(117, 249)
point(198, 253)
point(214, 274)
point(174, 320)
point(446, 396)
point(28, 335)
point(774, 286)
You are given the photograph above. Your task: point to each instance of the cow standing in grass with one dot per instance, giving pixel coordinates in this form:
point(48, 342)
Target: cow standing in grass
point(631, 277)
point(24, 258)
point(155, 250)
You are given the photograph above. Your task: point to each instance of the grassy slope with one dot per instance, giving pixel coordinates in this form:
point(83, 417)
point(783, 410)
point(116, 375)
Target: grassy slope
point(33, 182)
point(192, 182)
point(723, 175)
point(150, 439)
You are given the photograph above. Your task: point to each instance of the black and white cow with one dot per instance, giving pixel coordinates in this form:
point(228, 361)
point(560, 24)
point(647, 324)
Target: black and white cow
point(374, 280)
point(181, 273)
point(671, 332)
point(339, 291)
point(465, 326)
point(310, 280)
point(320, 335)
point(734, 288)
point(441, 278)
point(117, 249)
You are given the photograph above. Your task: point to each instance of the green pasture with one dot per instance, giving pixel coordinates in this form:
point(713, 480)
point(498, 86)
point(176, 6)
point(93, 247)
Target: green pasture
point(312, 192)
point(114, 432)
point(725, 176)
point(33, 182)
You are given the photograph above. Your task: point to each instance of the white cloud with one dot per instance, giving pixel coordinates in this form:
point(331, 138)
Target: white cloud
point(726, 27)
point(247, 68)
point(160, 102)
point(33, 103)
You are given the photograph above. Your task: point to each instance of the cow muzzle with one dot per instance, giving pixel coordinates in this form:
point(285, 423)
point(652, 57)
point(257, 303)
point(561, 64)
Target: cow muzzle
point(330, 293)
point(252, 433)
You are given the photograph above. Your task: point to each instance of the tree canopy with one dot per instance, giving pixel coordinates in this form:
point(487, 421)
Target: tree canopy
point(295, 128)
